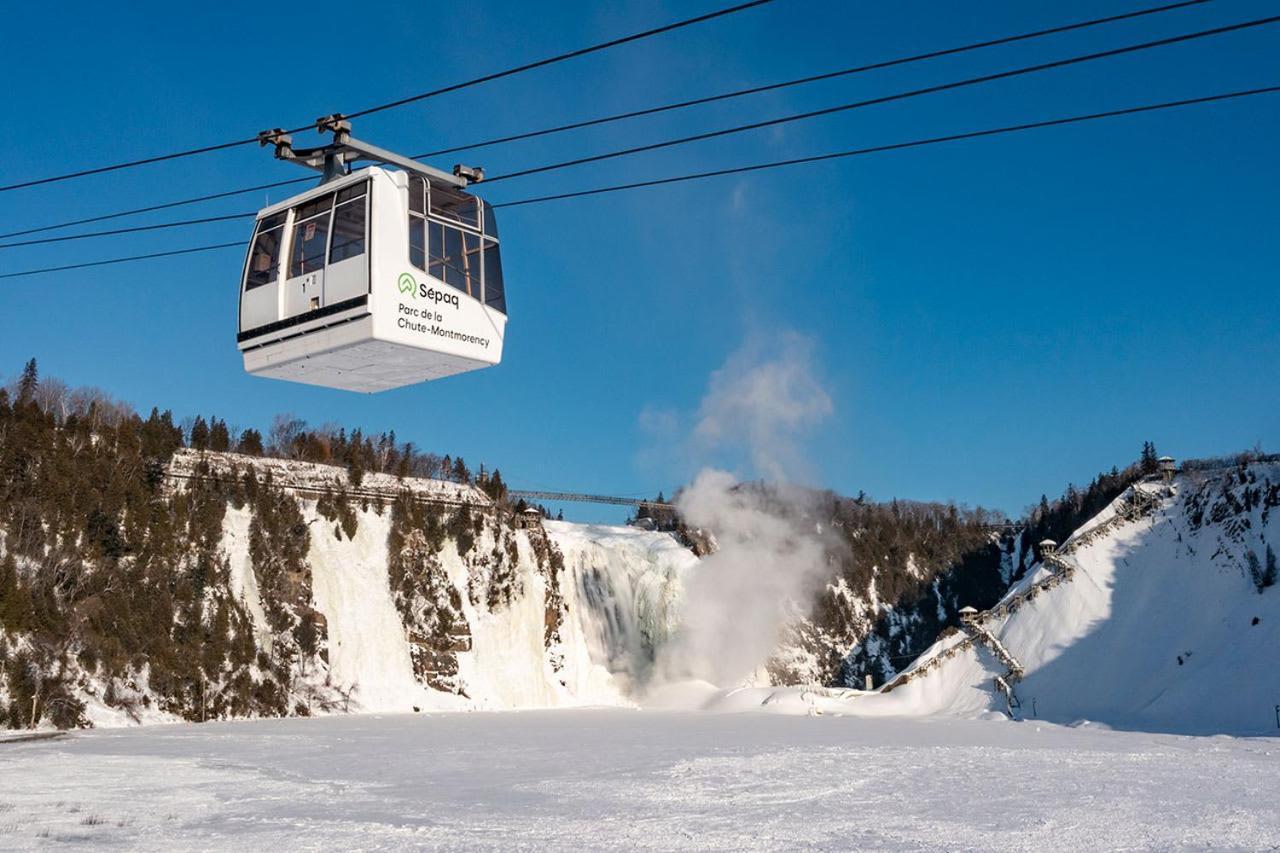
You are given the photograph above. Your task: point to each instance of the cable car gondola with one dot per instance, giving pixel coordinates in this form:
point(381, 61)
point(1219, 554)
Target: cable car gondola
point(375, 279)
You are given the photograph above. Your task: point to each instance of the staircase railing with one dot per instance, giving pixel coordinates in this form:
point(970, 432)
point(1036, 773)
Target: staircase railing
point(1134, 504)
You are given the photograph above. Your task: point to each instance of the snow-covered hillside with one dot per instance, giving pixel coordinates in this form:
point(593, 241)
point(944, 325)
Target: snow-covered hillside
point(232, 586)
point(1168, 620)
point(616, 592)
point(300, 590)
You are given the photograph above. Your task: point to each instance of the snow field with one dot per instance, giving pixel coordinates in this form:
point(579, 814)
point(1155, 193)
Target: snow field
point(578, 779)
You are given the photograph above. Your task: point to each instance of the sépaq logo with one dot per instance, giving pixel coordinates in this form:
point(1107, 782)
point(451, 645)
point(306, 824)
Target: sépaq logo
point(408, 284)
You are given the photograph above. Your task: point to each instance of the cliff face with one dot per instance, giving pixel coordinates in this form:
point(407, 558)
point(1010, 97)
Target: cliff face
point(217, 585)
point(897, 575)
point(224, 585)
point(273, 587)
point(1161, 613)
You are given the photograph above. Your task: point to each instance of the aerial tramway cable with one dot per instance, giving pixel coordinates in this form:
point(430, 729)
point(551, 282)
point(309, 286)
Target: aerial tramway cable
point(152, 208)
point(554, 59)
point(977, 134)
point(652, 110)
point(883, 99)
point(238, 244)
point(815, 78)
point(551, 60)
point(897, 146)
point(132, 230)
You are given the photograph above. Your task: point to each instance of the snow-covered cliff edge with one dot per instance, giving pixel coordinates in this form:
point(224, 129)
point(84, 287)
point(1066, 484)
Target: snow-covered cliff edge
point(1160, 614)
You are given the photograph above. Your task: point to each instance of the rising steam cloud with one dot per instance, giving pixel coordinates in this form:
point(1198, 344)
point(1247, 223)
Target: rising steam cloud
point(770, 557)
point(765, 400)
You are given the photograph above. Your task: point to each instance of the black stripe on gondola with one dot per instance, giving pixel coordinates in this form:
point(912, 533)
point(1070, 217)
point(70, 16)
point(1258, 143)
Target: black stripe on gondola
point(318, 314)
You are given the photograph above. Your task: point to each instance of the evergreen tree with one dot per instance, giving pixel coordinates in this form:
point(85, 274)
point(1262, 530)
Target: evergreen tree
point(1148, 462)
point(1256, 572)
point(200, 434)
point(16, 610)
point(250, 443)
point(355, 471)
point(496, 488)
point(219, 437)
point(160, 436)
point(1271, 573)
point(29, 383)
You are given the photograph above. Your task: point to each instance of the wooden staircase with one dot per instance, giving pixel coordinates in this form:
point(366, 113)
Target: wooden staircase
point(1139, 500)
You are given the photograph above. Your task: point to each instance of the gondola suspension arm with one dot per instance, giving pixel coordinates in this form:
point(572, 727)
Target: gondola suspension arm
point(333, 160)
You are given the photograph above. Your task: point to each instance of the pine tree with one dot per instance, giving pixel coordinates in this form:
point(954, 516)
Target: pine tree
point(495, 488)
point(200, 434)
point(219, 437)
point(1271, 573)
point(29, 383)
point(355, 471)
point(1256, 572)
point(159, 435)
point(250, 443)
point(1149, 462)
point(16, 612)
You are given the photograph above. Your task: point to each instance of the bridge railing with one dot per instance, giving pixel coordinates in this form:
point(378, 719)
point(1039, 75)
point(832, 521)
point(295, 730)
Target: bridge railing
point(576, 497)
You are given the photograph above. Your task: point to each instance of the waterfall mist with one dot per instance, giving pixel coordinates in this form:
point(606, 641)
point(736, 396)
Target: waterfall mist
point(771, 555)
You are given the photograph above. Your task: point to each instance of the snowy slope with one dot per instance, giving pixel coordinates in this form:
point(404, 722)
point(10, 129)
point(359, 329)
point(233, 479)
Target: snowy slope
point(1161, 627)
point(612, 780)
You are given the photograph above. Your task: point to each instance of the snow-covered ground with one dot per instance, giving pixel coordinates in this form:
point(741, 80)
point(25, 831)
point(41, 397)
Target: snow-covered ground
point(595, 779)
point(1161, 628)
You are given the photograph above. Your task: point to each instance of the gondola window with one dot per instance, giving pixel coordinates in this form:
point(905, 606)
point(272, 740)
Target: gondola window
point(310, 236)
point(349, 224)
point(264, 260)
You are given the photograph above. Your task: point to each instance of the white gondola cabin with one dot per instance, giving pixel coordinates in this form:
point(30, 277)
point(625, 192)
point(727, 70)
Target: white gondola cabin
point(373, 280)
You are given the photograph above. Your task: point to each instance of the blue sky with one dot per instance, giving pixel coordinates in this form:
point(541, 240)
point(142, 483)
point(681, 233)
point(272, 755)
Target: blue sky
point(992, 319)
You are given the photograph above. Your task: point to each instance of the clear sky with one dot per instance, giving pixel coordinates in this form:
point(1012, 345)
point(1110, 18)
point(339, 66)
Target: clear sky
point(992, 319)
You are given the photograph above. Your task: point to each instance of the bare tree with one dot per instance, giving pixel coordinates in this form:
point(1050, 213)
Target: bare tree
point(285, 431)
point(53, 398)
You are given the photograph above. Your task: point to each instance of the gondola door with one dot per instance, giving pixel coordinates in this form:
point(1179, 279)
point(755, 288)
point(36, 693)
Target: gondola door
point(308, 248)
point(260, 295)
